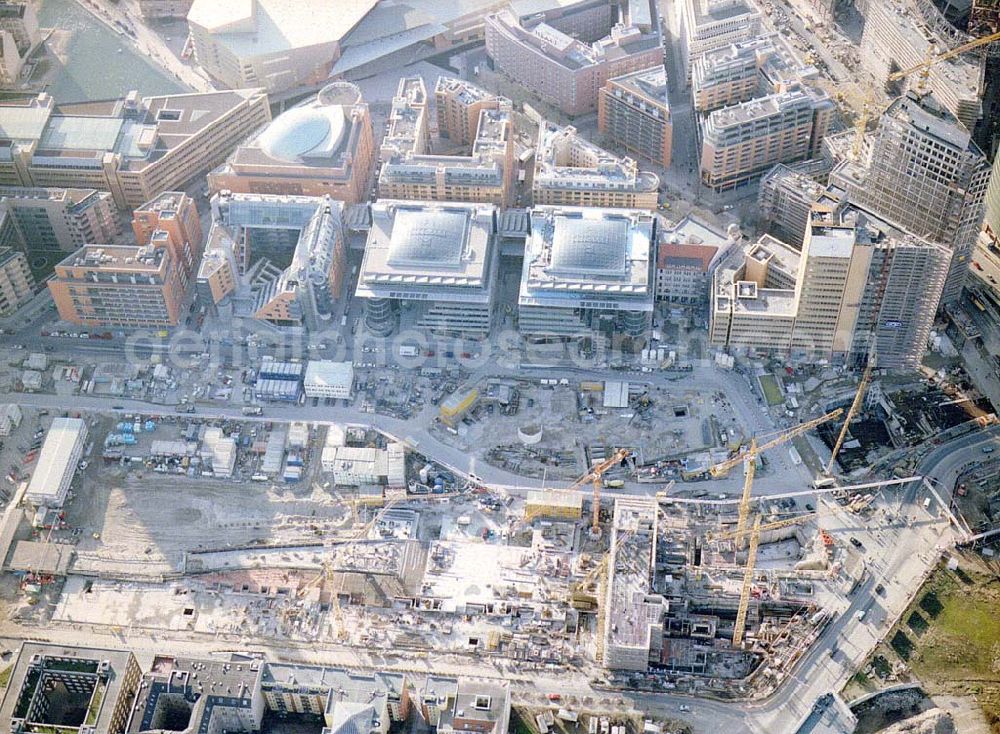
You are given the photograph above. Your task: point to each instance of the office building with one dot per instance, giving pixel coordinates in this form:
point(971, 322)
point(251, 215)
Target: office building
point(430, 266)
point(707, 25)
point(327, 379)
point(857, 280)
point(19, 37)
point(741, 143)
point(276, 258)
point(898, 36)
point(120, 286)
point(69, 689)
point(571, 171)
point(565, 54)
point(742, 71)
point(60, 219)
point(410, 171)
point(171, 220)
point(272, 44)
point(634, 624)
point(322, 148)
point(587, 272)
point(458, 104)
point(925, 175)
point(57, 462)
point(17, 285)
point(482, 707)
point(199, 696)
point(786, 199)
point(991, 217)
point(686, 252)
point(633, 110)
point(160, 9)
point(135, 147)
point(348, 701)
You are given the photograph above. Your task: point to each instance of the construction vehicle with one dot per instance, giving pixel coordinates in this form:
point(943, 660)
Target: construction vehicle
point(594, 476)
point(852, 412)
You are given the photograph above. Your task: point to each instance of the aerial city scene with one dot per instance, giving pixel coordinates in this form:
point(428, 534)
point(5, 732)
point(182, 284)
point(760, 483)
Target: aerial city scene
point(499, 366)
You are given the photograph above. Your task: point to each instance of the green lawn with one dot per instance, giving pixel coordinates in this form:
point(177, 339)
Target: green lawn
point(950, 636)
point(772, 393)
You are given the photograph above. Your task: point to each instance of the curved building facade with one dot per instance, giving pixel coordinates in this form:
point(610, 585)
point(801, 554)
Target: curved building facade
point(322, 148)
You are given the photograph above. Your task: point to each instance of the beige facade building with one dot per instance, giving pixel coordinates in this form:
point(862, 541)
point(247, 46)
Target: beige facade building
point(323, 148)
point(707, 25)
point(924, 174)
point(19, 37)
point(132, 287)
point(158, 9)
point(857, 280)
point(17, 285)
point(171, 220)
point(686, 252)
point(898, 36)
point(458, 104)
point(571, 171)
point(633, 109)
point(136, 147)
point(409, 170)
point(60, 219)
point(741, 143)
point(566, 52)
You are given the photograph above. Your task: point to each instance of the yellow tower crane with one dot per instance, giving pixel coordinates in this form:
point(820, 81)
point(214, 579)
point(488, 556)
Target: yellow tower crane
point(944, 56)
point(859, 397)
point(749, 457)
point(741, 613)
point(594, 477)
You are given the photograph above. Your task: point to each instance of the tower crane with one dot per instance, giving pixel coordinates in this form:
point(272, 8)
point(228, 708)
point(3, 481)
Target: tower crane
point(594, 477)
point(741, 613)
point(749, 457)
point(957, 51)
point(859, 397)
point(327, 571)
point(722, 467)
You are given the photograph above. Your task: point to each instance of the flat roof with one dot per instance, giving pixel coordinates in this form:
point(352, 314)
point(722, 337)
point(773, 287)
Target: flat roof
point(261, 27)
point(55, 460)
point(82, 133)
point(38, 557)
point(328, 372)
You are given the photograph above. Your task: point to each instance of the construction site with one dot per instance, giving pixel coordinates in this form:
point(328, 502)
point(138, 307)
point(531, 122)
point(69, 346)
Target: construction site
point(319, 533)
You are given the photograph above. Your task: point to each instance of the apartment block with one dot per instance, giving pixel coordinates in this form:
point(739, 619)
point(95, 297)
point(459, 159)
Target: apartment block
point(52, 686)
point(741, 143)
point(633, 110)
point(566, 54)
point(686, 252)
point(458, 104)
point(898, 36)
point(17, 285)
point(331, 693)
point(925, 175)
point(60, 219)
point(409, 170)
point(134, 147)
point(707, 25)
point(159, 9)
point(571, 171)
point(786, 199)
point(741, 71)
point(991, 219)
point(124, 286)
point(171, 220)
point(325, 147)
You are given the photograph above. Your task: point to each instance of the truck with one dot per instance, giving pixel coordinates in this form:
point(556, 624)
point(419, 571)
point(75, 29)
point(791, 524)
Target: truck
point(252, 410)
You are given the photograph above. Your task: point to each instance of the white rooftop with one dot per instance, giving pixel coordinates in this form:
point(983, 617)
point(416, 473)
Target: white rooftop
point(54, 461)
